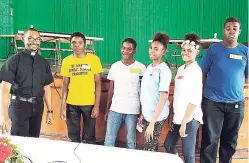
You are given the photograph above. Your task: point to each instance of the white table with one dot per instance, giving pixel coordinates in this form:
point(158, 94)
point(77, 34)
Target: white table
point(41, 150)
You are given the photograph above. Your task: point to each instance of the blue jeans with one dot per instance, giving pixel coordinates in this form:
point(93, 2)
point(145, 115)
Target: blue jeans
point(188, 143)
point(113, 125)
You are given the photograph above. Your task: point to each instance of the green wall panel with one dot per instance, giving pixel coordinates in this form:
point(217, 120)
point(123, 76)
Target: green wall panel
point(41, 14)
point(115, 20)
point(6, 26)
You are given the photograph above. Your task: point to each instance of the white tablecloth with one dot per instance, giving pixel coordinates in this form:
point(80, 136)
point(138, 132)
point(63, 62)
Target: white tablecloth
point(41, 150)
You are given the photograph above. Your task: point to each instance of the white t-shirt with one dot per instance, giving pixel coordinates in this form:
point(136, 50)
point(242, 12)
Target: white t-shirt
point(188, 89)
point(126, 87)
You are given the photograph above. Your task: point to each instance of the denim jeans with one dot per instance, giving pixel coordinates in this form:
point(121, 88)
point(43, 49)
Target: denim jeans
point(74, 114)
point(114, 122)
point(188, 143)
point(221, 121)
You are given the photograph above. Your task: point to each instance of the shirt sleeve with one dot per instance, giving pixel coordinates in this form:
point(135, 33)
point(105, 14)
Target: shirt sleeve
point(165, 79)
point(195, 95)
point(246, 68)
point(49, 78)
point(206, 60)
point(64, 69)
point(110, 75)
point(9, 70)
point(143, 69)
point(98, 67)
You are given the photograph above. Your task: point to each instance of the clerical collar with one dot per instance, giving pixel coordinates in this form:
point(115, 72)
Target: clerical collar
point(29, 52)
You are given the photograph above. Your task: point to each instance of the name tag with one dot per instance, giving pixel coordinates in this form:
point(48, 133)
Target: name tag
point(180, 77)
point(234, 56)
point(135, 70)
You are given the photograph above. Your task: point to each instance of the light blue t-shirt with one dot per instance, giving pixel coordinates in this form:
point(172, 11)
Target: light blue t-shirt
point(155, 80)
point(226, 70)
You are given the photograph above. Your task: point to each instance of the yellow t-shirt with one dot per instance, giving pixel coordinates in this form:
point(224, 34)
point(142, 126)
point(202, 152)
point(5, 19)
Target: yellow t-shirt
point(81, 72)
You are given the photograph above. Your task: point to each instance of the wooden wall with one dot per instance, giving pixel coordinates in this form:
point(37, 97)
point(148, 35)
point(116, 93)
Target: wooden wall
point(59, 129)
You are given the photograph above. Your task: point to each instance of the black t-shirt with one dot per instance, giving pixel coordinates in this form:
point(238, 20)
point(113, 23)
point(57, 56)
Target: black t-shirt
point(28, 74)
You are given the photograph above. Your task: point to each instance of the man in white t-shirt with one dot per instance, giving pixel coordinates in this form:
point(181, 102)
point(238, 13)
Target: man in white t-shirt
point(123, 104)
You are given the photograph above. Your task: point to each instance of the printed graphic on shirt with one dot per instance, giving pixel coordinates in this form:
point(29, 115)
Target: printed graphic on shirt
point(79, 69)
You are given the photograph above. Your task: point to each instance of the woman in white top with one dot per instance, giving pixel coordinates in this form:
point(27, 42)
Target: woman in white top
point(154, 93)
point(187, 101)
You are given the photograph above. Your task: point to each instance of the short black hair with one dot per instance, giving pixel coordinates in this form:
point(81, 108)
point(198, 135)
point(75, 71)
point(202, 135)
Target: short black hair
point(163, 38)
point(132, 41)
point(233, 19)
point(78, 34)
point(30, 29)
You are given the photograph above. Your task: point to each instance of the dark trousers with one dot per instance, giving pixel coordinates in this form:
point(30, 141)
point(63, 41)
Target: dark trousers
point(152, 145)
point(74, 114)
point(221, 121)
point(26, 117)
point(188, 143)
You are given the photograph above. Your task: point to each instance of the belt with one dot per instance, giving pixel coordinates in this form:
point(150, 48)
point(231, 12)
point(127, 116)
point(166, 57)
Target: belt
point(31, 99)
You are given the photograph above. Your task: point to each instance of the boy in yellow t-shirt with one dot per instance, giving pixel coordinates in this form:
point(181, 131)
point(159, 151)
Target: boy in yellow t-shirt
point(81, 90)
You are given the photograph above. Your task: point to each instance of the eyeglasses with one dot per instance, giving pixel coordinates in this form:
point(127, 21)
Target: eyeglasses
point(38, 39)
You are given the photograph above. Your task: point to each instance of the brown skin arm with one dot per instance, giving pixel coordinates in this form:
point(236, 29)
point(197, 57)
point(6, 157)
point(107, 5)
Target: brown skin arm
point(150, 129)
point(64, 93)
point(48, 102)
point(204, 78)
point(187, 117)
point(5, 122)
point(95, 112)
point(109, 99)
point(48, 97)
